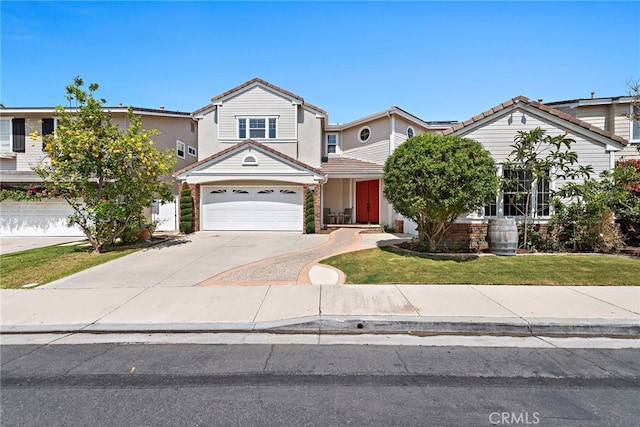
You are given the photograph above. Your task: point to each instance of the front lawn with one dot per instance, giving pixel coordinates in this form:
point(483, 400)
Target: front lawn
point(392, 265)
point(43, 265)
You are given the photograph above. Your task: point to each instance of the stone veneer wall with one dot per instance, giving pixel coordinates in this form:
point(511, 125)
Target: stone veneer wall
point(473, 237)
point(465, 238)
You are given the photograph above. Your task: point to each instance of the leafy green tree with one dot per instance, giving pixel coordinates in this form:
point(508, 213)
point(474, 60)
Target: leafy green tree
point(433, 179)
point(186, 209)
point(107, 175)
point(538, 159)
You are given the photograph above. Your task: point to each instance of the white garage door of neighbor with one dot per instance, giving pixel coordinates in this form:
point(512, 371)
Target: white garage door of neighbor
point(252, 208)
point(43, 218)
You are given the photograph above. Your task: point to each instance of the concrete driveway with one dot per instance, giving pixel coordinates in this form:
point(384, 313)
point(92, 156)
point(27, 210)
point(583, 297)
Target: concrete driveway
point(189, 260)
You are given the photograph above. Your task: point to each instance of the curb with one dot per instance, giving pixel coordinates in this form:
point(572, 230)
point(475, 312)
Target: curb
point(353, 325)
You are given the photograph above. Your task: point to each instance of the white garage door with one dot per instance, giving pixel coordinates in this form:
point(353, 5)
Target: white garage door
point(252, 208)
point(43, 218)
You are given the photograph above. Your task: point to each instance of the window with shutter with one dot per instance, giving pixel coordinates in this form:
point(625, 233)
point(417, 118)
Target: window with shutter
point(18, 135)
point(47, 128)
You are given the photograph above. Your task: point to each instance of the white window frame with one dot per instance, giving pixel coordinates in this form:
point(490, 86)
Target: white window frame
point(632, 122)
point(335, 145)
point(184, 149)
point(412, 130)
point(247, 129)
point(192, 151)
point(9, 148)
point(363, 128)
point(502, 205)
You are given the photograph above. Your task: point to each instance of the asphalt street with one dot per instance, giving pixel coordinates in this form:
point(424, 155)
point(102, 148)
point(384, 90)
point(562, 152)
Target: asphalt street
point(323, 385)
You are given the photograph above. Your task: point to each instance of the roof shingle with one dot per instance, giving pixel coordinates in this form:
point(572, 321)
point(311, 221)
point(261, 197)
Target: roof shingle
point(539, 106)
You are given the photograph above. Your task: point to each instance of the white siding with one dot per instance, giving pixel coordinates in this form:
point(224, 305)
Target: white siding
point(33, 153)
point(376, 152)
point(497, 137)
point(258, 102)
point(376, 149)
point(266, 164)
point(401, 130)
point(380, 131)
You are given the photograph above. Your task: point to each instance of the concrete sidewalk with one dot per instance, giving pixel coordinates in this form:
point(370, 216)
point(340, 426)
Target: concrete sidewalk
point(421, 309)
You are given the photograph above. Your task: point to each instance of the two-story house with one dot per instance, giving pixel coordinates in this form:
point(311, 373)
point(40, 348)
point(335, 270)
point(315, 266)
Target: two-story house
point(261, 147)
point(613, 114)
point(18, 151)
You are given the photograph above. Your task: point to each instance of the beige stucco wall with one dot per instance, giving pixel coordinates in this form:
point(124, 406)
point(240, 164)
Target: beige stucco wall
point(310, 138)
point(208, 135)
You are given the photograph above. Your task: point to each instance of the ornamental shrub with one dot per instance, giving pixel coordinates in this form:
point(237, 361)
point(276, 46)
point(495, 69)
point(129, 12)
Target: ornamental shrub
point(432, 179)
point(186, 209)
point(310, 215)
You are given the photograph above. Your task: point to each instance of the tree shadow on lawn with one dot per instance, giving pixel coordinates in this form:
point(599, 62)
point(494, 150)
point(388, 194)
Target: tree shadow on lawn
point(457, 257)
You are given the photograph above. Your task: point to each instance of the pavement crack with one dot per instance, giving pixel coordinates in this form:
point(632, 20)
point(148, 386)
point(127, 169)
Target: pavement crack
point(407, 300)
point(577, 355)
point(112, 311)
point(264, 298)
point(602, 300)
point(36, 348)
point(404, 364)
point(525, 320)
point(266, 362)
point(87, 360)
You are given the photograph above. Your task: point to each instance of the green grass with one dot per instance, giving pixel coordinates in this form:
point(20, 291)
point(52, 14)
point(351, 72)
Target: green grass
point(43, 265)
point(392, 265)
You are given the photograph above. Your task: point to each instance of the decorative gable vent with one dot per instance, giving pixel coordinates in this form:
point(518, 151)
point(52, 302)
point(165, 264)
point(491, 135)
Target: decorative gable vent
point(250, 160)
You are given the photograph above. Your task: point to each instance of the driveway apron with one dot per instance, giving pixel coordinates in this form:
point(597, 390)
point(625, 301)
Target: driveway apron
point(291, 269)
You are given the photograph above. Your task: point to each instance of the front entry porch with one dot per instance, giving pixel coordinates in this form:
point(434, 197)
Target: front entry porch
point(354, 202)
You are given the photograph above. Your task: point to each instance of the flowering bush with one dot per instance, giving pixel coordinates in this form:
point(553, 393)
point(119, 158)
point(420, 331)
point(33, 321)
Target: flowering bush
point(29, 194)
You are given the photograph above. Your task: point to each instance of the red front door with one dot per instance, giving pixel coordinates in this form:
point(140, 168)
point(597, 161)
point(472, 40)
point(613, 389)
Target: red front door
point(367, 201)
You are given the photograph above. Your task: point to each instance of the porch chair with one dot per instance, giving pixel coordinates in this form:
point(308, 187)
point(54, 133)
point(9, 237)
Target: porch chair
point(345, 217)
point(328, 217)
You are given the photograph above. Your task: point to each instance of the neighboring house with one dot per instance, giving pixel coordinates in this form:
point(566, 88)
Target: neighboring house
point(261, 147)
point(496, 128)
point(18, 152)
point(611, 114)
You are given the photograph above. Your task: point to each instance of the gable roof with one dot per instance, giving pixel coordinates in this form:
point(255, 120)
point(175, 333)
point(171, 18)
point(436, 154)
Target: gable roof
point(239, 146)
point(391, 110)
point(529, 104)
point(258, 82)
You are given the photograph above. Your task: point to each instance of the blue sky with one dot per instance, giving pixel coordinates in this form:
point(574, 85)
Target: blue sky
point(437, 60)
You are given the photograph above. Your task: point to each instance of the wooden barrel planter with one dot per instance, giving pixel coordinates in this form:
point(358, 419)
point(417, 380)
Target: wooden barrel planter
point(503, 236)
